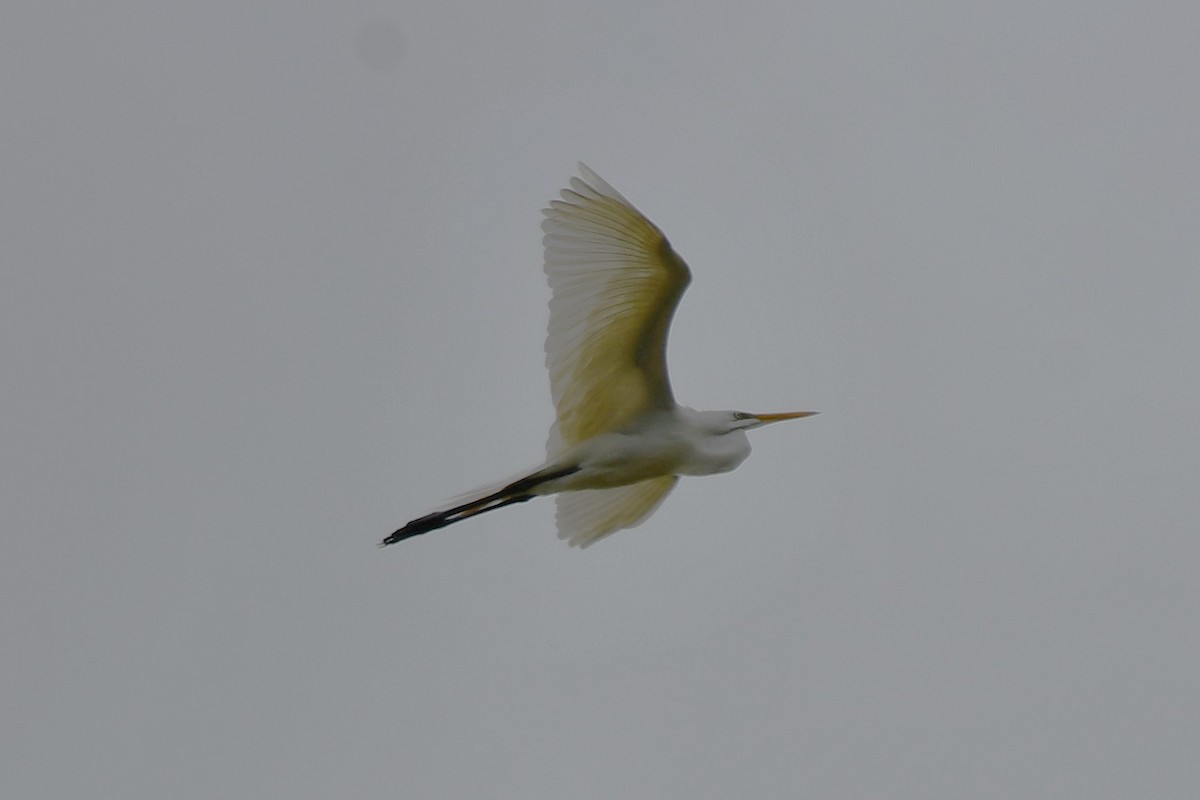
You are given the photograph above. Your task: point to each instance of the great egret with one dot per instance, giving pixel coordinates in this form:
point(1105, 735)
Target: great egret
point(620, 442)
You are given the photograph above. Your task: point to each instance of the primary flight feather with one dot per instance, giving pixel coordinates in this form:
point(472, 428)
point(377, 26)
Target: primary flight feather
point(619, 441)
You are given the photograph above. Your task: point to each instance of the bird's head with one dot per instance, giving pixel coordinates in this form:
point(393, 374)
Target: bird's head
point(728, 421)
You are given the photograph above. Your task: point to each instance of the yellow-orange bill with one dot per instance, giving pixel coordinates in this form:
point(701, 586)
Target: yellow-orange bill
point(785, 415)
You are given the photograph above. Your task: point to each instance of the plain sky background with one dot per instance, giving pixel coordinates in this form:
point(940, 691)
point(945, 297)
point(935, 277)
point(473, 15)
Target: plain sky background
point(272, 287)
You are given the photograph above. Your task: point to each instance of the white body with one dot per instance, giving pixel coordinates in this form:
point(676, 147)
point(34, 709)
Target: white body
point(680, 441)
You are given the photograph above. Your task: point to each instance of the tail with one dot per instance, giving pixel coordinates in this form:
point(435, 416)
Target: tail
point(516, 492)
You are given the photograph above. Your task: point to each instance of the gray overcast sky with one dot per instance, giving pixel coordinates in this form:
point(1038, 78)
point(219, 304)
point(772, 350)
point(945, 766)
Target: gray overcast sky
point(272, 287)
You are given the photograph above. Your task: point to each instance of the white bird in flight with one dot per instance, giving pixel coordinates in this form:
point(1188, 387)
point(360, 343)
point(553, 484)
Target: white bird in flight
point(619, 441)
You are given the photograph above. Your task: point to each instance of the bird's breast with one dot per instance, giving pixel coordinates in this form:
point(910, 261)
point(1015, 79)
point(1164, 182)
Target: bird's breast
point(710, 455)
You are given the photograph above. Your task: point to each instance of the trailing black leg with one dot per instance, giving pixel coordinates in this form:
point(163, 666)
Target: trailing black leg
point(440, 519)
point(515, 492)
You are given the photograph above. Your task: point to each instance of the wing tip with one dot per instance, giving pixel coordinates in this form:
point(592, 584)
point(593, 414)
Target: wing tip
point(598, 185)
point(584, 518)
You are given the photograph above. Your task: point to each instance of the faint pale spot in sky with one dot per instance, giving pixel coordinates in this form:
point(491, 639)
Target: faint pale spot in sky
point(1066, 363)
point(380, 44)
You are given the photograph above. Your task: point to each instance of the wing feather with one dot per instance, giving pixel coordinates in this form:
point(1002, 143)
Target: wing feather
point(615, 284)
point(585, 517)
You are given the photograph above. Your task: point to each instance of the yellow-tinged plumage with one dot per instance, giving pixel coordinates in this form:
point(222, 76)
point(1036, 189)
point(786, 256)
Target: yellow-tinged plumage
point(586, 516)
point(616, 283)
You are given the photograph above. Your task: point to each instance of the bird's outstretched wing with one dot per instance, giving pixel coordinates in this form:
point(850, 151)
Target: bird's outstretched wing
point(586, 516)
point(615, 283)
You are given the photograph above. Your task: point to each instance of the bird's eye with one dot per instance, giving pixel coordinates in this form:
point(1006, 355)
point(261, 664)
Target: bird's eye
point(740, 415)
